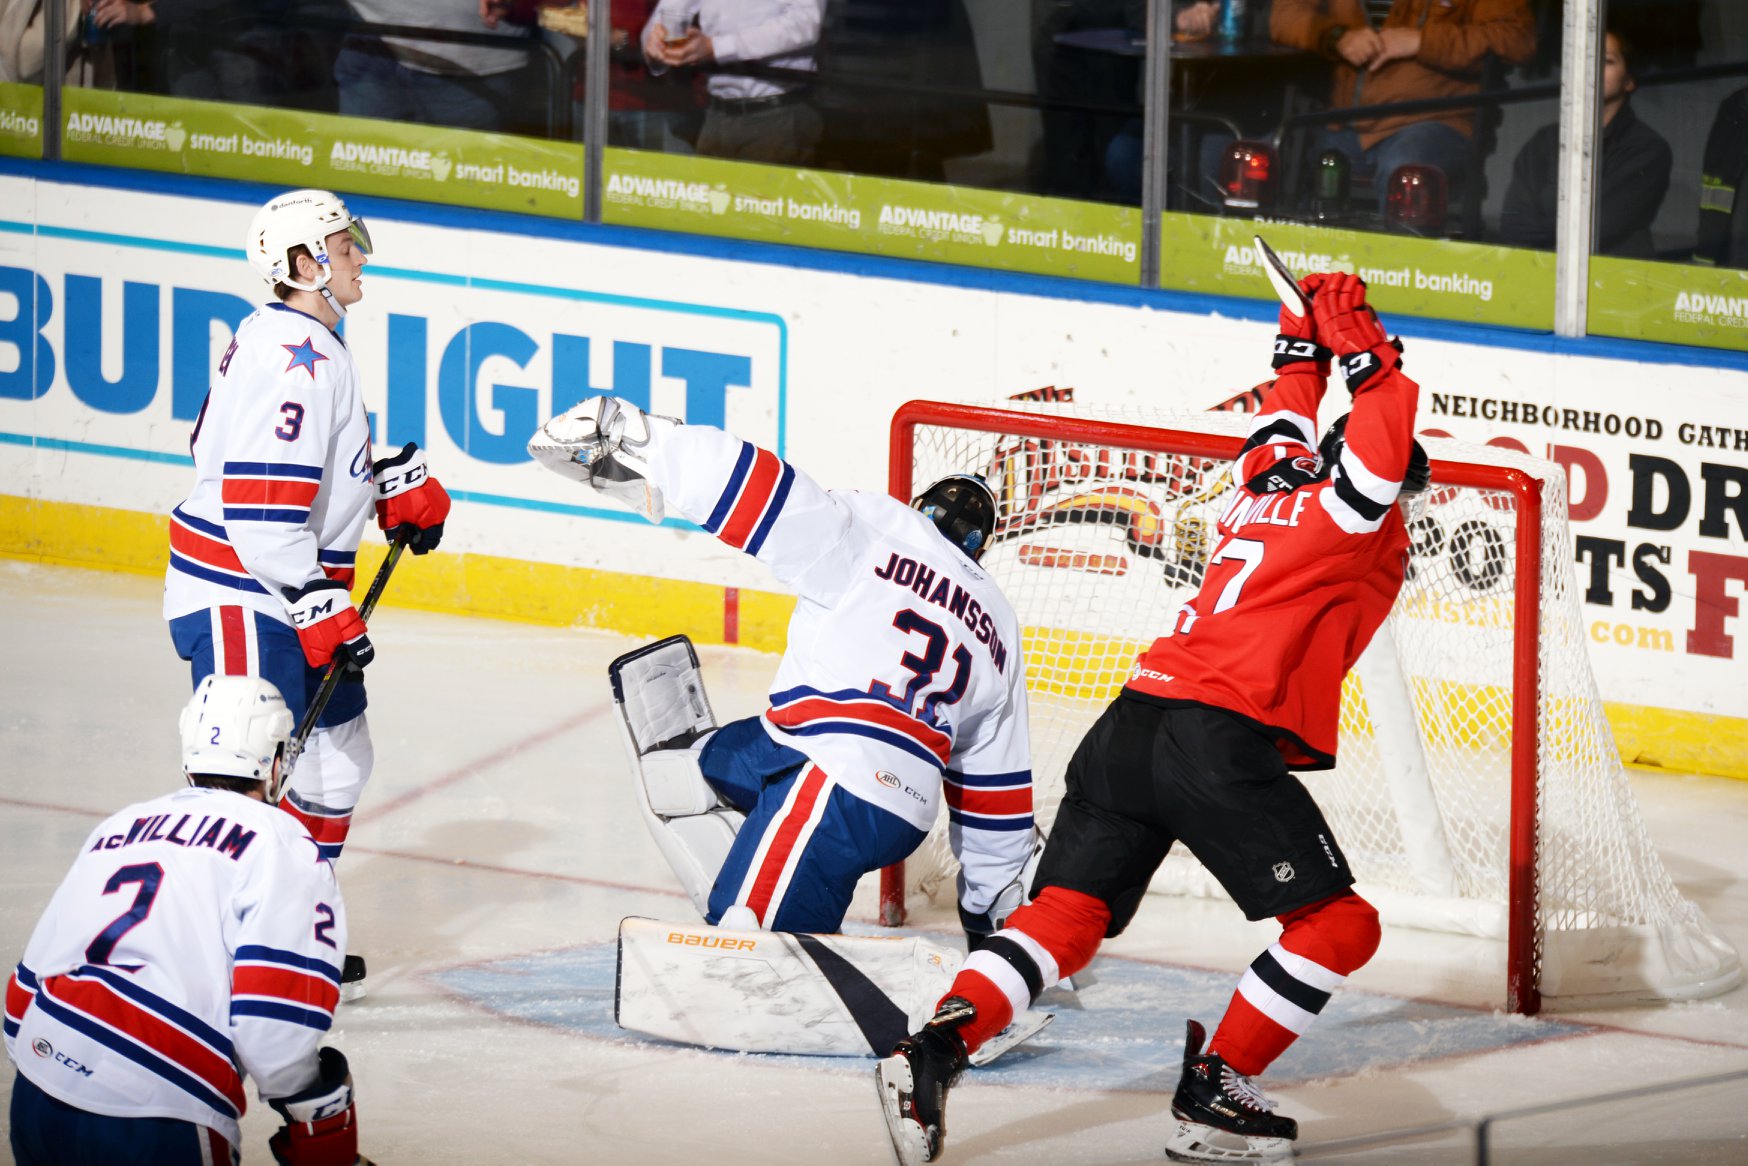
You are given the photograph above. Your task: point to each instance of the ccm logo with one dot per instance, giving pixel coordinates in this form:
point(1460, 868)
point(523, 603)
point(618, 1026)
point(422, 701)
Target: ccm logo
point(685, 939)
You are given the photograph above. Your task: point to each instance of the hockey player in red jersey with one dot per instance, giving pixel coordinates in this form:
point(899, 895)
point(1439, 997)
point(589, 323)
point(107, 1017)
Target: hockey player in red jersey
point(195, 941)
point(262, 550)
point(1244, 686)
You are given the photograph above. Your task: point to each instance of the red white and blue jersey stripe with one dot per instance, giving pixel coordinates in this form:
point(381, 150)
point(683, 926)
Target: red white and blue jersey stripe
point(282, 485)
point(196, 940)
point(903, 660)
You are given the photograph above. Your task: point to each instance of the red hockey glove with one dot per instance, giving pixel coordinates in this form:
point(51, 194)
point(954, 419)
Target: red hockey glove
point(409, 500)
point(1297, 342)
point(328, 626)
point(321, 1122)
point(1349, 326)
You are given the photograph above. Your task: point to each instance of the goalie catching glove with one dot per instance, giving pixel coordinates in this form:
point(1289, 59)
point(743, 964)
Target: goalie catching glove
point(321, 1122)
point(1348, 325)
point(605, 442)
point(410, 503)
point(328, 626)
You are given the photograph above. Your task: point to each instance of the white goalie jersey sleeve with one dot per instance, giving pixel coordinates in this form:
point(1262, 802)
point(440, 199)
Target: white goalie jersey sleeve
point(197, 938)
point(902, 678)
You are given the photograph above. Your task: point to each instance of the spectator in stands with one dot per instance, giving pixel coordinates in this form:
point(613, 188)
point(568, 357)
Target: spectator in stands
point(23, 35)
point(1071, 161)
point(470, 86)
point(1635, 172)
point(231, 50)
point(750, 117)
point(1420, 49)
point(903, 126)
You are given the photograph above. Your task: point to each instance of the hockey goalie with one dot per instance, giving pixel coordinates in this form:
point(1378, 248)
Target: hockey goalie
point(902, 687)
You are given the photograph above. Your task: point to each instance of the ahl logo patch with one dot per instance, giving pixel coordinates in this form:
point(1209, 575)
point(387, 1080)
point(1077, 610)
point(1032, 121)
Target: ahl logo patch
point(1283, 872)
point(42, 1048)
point(889, 780)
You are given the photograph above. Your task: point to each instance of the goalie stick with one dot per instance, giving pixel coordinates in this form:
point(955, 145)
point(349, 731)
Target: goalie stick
point(331, 680)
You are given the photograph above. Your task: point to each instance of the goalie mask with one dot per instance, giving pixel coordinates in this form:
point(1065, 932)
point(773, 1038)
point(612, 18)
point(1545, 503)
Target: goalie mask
point(300, 218)
point(963, 508)
point(1416, 478)
point(235, 726)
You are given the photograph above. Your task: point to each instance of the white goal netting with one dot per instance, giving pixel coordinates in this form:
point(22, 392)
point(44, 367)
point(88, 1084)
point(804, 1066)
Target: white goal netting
point(1104, 536)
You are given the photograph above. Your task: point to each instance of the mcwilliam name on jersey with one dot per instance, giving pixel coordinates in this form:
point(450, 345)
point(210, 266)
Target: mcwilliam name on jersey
point(209, 832)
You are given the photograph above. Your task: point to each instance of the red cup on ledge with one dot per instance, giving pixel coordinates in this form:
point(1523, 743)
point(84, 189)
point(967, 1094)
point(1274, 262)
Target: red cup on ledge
point(1416, 200)
point(1247, 176)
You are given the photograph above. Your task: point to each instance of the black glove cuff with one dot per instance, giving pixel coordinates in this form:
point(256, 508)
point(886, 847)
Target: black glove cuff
point(1361, 370)
point(1290, 350)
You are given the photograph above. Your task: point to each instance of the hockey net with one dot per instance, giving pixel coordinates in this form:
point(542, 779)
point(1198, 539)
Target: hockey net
point(1478, 789)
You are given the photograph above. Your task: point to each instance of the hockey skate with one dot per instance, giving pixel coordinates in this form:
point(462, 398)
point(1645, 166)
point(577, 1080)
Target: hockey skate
point(352, 974)
point(914, 1080)
point(1221, 1116)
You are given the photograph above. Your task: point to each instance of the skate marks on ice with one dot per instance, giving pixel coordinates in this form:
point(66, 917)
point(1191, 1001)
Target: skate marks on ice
point(1123, 1034)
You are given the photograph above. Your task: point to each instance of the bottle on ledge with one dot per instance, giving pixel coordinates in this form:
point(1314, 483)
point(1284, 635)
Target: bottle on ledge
point(1232, 19)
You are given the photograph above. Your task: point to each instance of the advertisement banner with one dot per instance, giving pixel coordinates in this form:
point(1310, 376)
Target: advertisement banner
point(297, 148)
point(1471, 282)
point(1658, 494)
point(874, 216)
point(1673, 302)
point(20, 120)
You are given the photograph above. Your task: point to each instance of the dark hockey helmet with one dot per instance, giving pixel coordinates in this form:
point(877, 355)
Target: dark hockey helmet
point(1417, 477)
point(962, 507)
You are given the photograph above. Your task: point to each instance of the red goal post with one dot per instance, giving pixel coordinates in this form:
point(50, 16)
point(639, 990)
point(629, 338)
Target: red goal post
point(1139, 472)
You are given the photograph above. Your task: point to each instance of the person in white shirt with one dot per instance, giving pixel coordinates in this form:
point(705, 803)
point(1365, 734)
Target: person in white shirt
point(195, 942)
point(752, 118)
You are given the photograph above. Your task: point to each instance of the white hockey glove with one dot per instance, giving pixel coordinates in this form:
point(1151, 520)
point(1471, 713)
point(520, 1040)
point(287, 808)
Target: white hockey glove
point(978, 928)
point(604, 442)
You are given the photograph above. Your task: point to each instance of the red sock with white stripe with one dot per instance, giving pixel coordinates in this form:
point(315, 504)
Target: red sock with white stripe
point(1286, 987)
point(1054, 936)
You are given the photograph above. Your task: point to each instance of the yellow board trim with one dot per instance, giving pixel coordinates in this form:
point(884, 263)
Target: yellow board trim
point(640, 605)
point(108, 539)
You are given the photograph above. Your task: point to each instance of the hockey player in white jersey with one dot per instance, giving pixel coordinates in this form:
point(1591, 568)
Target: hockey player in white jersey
point(195, 941)
point(262, 550)
point(902, 685)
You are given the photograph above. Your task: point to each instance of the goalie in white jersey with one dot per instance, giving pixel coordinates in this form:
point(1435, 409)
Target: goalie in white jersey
point(262, 551)
point(902, 686)
point(195, 941)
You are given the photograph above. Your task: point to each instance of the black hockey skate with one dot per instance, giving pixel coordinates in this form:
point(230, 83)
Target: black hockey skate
point(352, 973)
point(1221, 1116)
point(914, 1080)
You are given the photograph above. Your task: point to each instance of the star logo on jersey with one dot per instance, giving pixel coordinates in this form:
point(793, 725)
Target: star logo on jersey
point(303, 356)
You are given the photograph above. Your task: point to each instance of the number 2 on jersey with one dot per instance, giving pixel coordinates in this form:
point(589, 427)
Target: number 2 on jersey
point(148, 875)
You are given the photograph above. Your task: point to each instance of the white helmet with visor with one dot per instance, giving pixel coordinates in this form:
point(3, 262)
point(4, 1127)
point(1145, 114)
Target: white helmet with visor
point(306, 218)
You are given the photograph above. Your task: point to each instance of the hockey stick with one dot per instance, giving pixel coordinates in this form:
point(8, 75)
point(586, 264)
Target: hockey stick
point(1292, 298)
point(331, 680)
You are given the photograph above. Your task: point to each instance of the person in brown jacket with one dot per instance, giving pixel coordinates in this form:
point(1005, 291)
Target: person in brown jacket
point(1421, 49)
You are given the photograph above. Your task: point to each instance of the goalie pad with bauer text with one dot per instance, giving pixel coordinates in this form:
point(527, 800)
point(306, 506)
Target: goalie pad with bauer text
point(787, 992)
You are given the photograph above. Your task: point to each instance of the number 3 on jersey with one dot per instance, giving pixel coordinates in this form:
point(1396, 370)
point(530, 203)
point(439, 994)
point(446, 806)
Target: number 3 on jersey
point(1243, 551)
point(924, 668)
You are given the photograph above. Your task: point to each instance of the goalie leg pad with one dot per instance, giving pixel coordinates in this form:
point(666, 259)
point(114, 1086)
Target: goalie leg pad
point(777, 992)
point(664, 715)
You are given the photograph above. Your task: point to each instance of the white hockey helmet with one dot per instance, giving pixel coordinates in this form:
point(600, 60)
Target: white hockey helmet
point(296, 217)
point(235, 726)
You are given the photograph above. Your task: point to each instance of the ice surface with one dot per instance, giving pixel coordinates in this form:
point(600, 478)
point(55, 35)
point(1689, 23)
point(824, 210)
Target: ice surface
point(498, 847)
